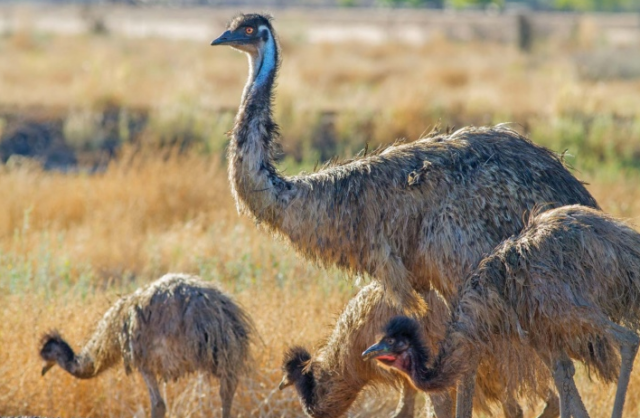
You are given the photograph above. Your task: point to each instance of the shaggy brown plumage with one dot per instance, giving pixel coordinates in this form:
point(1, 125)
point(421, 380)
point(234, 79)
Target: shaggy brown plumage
point(329, 381)
point(412, 216)
point(567, 286)
point(178, 324)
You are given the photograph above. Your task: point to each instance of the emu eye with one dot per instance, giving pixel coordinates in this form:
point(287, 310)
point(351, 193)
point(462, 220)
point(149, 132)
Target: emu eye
point(248, 30)
point(390, 341)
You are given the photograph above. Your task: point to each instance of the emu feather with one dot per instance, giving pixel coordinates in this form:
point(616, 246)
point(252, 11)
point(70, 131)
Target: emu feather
point(174, 326)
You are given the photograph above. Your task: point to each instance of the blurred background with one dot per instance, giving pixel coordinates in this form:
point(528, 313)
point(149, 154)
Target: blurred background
point(113, 170)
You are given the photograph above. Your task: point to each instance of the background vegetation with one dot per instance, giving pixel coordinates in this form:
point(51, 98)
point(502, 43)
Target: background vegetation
point(135, 129)
point(562, 5)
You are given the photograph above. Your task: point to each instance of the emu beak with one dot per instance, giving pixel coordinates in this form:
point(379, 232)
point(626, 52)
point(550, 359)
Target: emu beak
point(46, 368)
point(284, 383)
point(375, 351)
point(228, 38)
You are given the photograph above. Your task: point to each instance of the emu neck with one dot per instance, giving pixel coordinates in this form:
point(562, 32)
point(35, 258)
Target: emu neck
point(99, 354)
point(306, 387)
point(82, 366)
point(256, 185)
point(325, 393)
point(451, 364)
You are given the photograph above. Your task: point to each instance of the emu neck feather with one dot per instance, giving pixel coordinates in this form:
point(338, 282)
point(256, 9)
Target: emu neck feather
point(252, 174)
point(452, 363)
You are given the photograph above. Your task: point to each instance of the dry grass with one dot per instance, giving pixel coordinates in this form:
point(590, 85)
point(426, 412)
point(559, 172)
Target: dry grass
point(89, 238)
point(379, 91)
point(82, 240)
point(69, 244)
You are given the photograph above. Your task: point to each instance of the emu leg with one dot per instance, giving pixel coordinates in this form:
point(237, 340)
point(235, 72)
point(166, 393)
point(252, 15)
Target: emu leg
point(464, 400)
point(158, 408)
point(228, 387)
point(406, 405)
point(570, 400)
point(552, 408)
point(442, 405)
point(628, 341)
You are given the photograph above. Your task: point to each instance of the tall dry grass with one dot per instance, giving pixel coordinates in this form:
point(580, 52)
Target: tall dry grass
point(70, 244)
point(378, 91)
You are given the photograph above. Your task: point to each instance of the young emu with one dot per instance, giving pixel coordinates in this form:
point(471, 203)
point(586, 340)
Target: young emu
point(174, 326)
point(330, 381)
point(568, 286)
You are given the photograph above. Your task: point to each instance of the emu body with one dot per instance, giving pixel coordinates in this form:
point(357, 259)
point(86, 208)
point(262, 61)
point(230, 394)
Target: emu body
point(568, 286)
point(174, 326)
point(414, 216)
point(329, 381)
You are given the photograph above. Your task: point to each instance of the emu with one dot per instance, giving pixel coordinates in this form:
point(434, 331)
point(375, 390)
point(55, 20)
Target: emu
point(329, 381)
point(413, 216)
point(177, 325)
point(568, 286)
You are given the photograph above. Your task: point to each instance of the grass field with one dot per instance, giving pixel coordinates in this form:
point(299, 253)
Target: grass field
point(71, 243)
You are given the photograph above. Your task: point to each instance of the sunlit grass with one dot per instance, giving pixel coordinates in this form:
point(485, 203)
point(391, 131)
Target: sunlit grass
point(376, 93)
point(73, 243)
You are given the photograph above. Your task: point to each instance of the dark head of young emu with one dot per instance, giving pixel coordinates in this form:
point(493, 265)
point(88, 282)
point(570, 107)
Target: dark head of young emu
point(294, 364)
point(401, 347)
point(54, 350)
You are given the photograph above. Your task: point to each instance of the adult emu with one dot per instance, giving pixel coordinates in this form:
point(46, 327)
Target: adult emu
point(174, 326)
point(412, 216)
point(568, 286)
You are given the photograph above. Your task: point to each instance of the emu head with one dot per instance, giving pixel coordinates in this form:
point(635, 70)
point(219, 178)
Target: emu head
point(247, 32)
point(53, 349)
point(294, 366)
point(400, 348)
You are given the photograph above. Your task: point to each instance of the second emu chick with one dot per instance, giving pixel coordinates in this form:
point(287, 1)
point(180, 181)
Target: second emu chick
point(565, 286)
point(329, 382)
point(178, 324)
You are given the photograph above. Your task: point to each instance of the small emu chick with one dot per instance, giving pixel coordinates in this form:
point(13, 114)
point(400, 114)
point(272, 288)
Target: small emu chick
point(177, 325)
point(568, 286)
point(329, 382)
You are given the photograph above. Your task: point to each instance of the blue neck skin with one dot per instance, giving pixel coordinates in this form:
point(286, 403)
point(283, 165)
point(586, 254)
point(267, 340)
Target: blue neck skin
point(268, 61)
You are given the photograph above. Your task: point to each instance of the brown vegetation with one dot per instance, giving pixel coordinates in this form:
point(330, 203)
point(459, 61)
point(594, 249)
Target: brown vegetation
point(175, 326)
point(377, 92)
point(75, 243)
